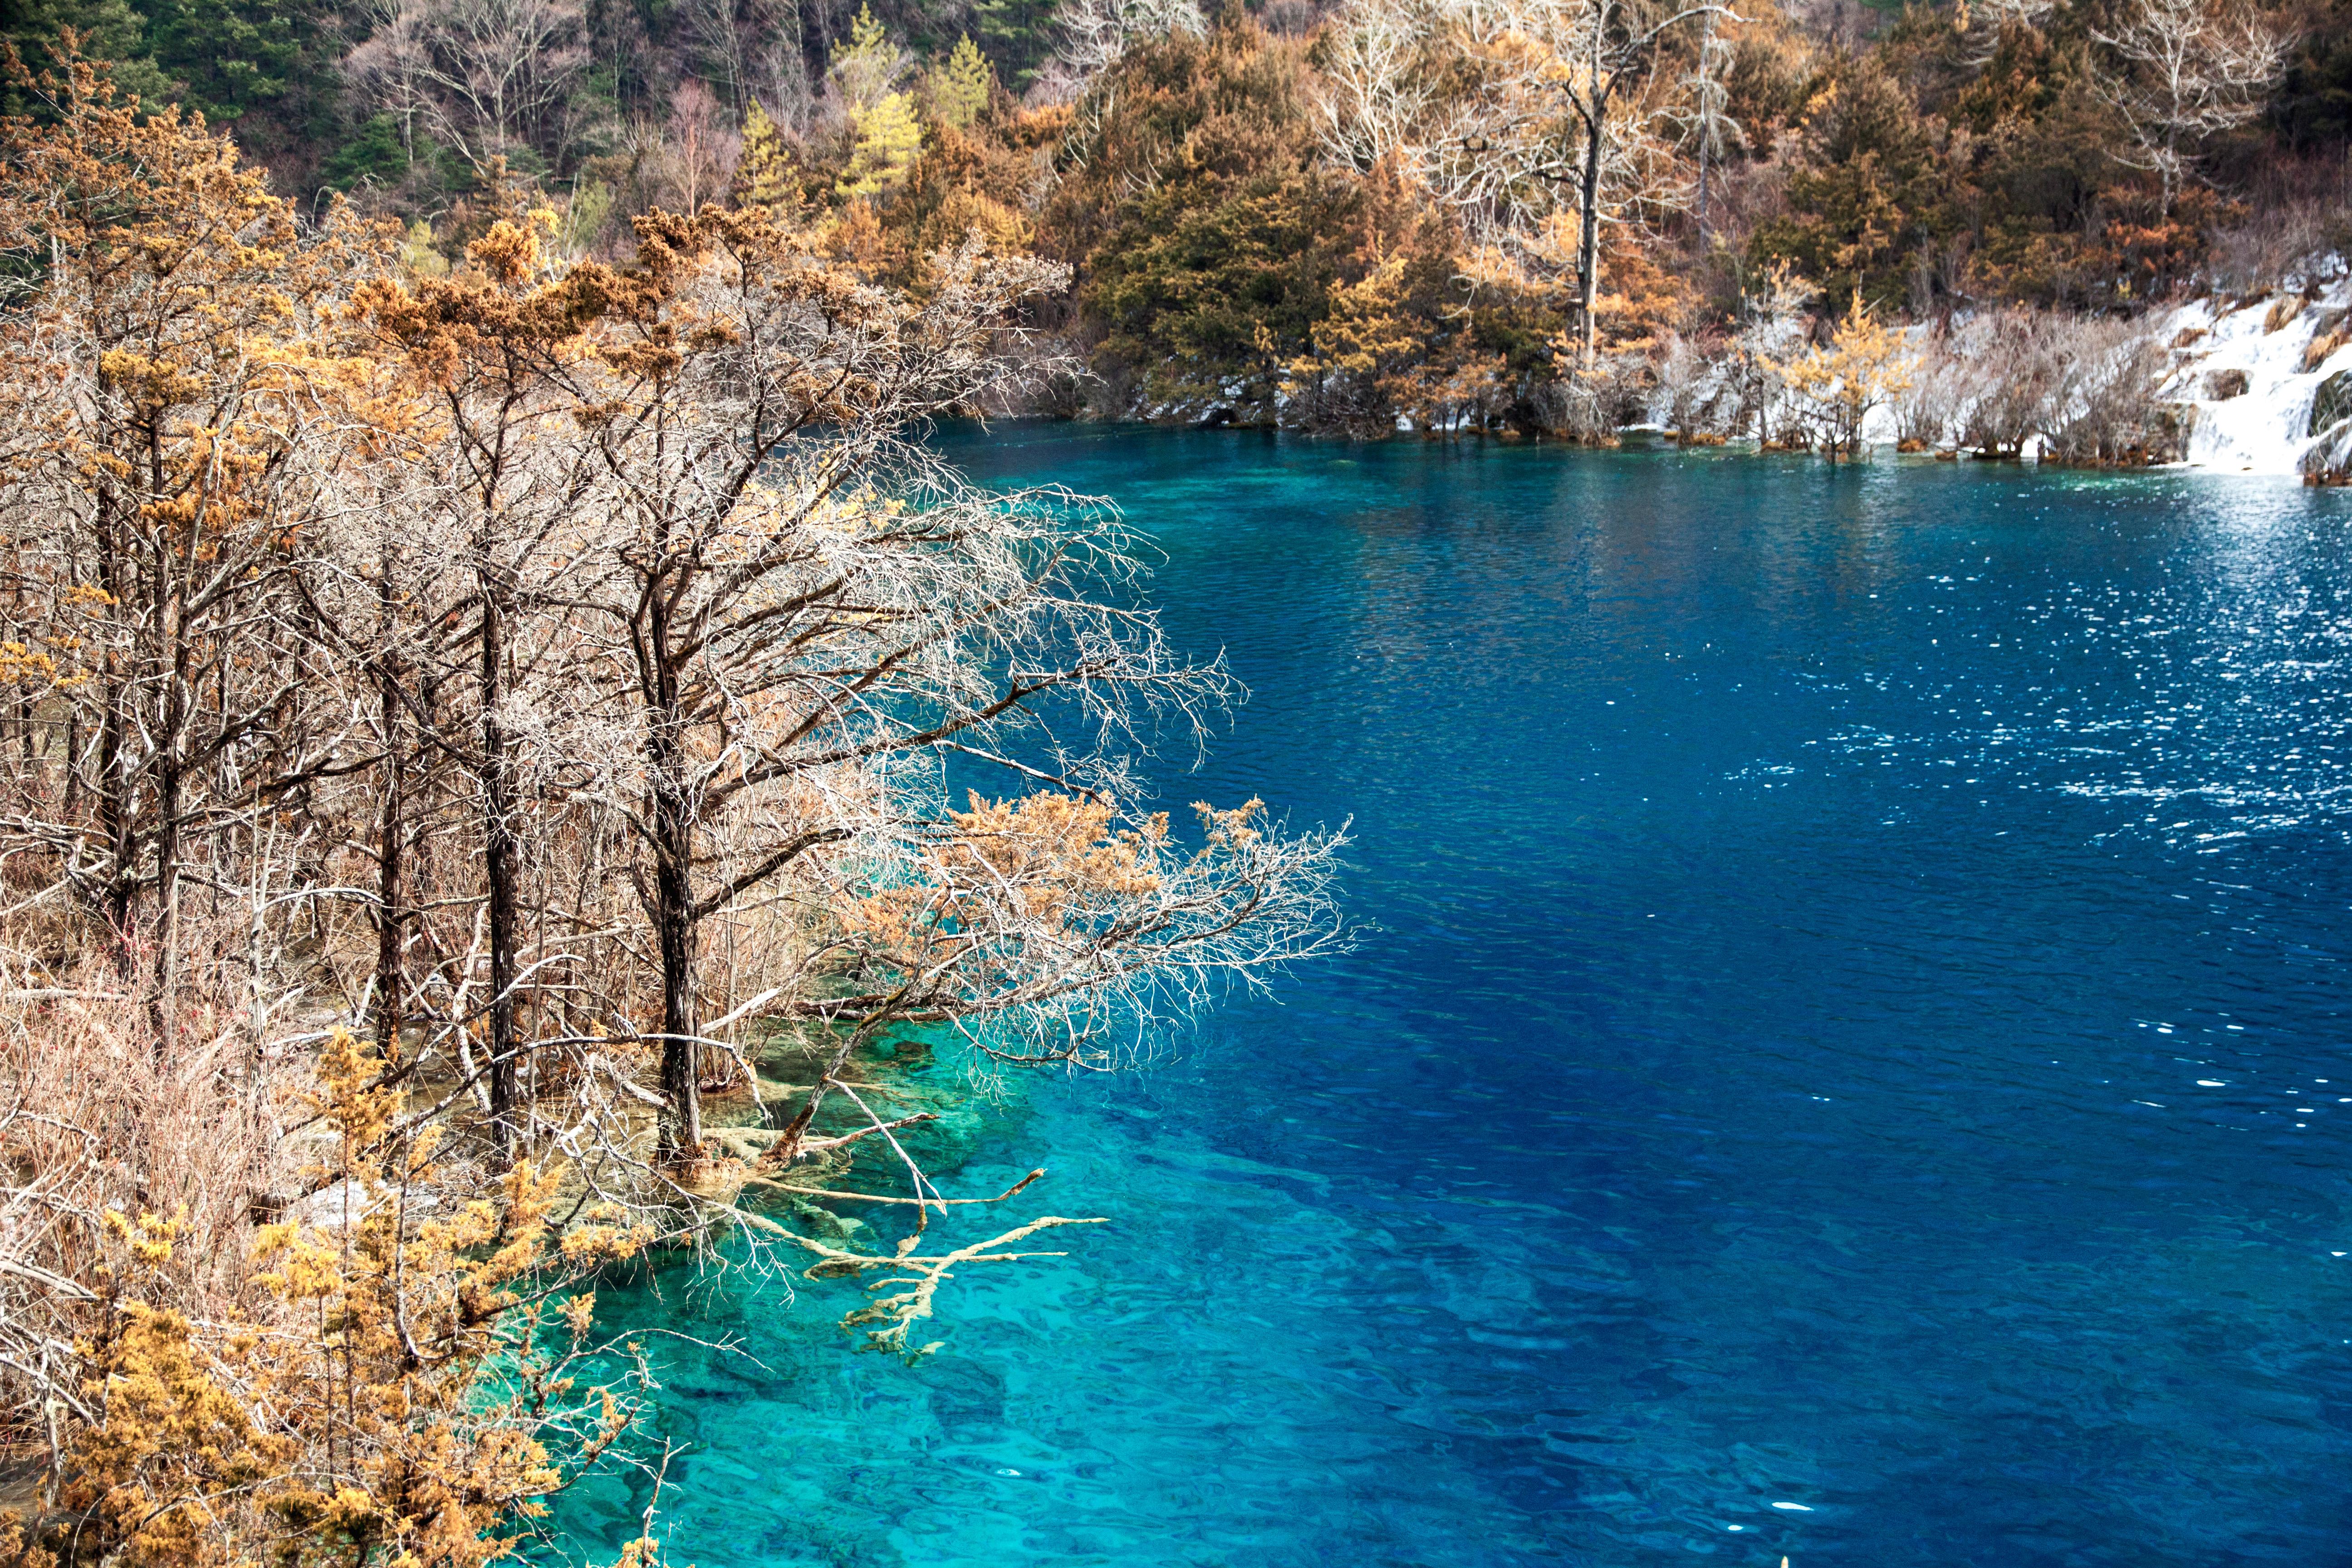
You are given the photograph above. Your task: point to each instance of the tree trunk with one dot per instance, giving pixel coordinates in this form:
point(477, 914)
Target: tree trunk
point(171, 778)
point(161, 1003)
point(72, 768)
point(113, 789)
point(681, 1134)
point(674, 921)
point(498, 863)
point(1706, 127)
point(388, 976)
point(1588, 242)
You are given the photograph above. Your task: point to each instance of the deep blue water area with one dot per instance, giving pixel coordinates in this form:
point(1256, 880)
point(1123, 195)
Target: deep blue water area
point(1854, 1062)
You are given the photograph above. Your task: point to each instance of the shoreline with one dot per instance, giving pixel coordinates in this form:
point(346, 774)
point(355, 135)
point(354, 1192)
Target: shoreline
point(1638, 439)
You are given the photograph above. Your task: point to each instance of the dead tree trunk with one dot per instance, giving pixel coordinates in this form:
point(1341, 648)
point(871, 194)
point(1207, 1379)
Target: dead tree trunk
point(673, 902)
point(500, 857)
point(391, 830)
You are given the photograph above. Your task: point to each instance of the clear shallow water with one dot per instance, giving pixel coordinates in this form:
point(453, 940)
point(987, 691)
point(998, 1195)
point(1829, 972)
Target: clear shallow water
point(1859, 1021)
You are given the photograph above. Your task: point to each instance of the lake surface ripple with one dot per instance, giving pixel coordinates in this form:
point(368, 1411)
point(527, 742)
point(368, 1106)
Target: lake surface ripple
point(1852, 1064)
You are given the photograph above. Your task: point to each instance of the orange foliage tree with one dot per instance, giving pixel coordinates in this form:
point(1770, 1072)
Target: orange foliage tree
point(164, 368)
point(404, 1389)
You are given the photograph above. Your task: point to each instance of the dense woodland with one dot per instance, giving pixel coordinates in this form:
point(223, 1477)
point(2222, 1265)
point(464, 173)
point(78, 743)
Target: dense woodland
point(1501, 214)
point(474, 814)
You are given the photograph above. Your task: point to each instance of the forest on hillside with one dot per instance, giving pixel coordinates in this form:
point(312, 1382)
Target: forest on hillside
point(1531, 214)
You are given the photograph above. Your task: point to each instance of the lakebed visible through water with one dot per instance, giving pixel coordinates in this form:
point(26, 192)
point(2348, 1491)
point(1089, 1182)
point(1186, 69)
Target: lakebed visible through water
point(1854, 1062)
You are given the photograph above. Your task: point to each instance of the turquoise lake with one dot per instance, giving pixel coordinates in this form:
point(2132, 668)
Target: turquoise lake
point(1854, 1061)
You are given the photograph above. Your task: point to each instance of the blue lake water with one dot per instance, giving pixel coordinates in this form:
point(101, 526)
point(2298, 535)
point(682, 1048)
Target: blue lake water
point(1853, 1065)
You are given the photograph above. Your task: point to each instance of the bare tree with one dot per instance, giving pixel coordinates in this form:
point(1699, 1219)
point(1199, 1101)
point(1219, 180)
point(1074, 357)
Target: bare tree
point(163, 420)
point(554, 674)
point(717, 30)
point(2190, 68)
point(492, 356)
point(2102, 407)
point(1499, 106)
point(2020, 361)
point(485, 77)
point(1093, 34)
point(388, 66)
point(1606, 48)
point(1377, 96)
point(1712, 126)
point(1773, 325)
point(1927, 413)
point(684, 158)
point(802, 613)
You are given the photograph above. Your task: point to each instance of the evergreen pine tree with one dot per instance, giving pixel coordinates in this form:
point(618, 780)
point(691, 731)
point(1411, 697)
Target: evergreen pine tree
point(1018, 35)
point(230, 56)
point(960, 88)
point(107, 30)
point(863, 68)
point(764, 174)
point(888, 140)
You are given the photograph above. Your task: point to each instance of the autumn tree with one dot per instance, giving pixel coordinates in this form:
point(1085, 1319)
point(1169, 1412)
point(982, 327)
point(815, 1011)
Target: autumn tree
point(1095, 34)
point(491, 351)
point(1210, 270)
point(888, 139)
point(399, 1374)
point(974, 180)
point(867, 65)
point(1834, 387)
point(801, 615)
point(166, 374)
point(885, 134)
point(1500, 110)
point(1603, 55)
point(447, 710)
point(1872, 190)
point(766, 175)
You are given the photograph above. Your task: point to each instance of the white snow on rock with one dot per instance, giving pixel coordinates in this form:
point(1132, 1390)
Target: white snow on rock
point(346, 1202)
point(332, 1208)
point(2266, 428)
